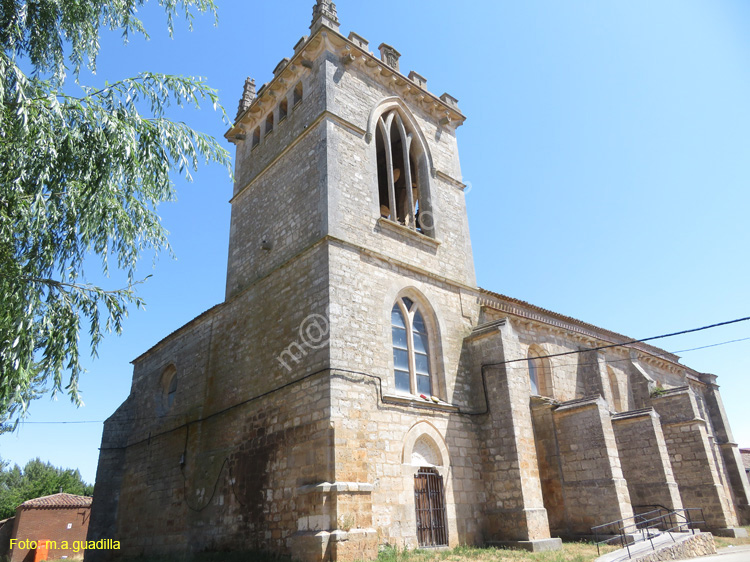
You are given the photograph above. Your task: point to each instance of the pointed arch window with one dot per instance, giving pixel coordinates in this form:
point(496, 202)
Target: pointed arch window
point(411, 351)
point(401, 174)
point(615, 388)
point(168, 386)
point(540, 372)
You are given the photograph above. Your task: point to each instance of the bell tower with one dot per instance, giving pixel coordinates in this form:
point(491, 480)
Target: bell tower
point(340, 146)
point(349, 207)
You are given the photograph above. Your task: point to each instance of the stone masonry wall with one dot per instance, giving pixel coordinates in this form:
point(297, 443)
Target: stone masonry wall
point(229, 482)
point(692, 458)
point(550, 472)
point(372, 446)
point(256, 452)
point(283, 207)
point(594, 487)
point(371, 430)
point(728, 450)
point(515, 507)
point(645, 461)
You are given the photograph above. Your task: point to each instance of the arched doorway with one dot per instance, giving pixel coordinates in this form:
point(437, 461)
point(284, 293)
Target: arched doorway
point(429, 501)
point(429, 494)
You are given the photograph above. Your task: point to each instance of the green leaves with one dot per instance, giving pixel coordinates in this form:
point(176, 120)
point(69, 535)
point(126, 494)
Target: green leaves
point(79, 176)
point(37, 479)
point(41, 28)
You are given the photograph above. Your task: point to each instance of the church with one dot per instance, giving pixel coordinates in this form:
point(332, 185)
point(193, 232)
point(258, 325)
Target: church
point(356, 388)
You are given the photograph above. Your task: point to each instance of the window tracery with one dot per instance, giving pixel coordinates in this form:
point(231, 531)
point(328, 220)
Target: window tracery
point(399, 186)
point(411, 349)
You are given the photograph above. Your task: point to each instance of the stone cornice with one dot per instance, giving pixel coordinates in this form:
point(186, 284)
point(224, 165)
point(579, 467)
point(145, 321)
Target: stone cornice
point(486, 329)
point(401, 230)
point(460, 185)
point(635, 414)
point(589, 334)
point(416, 402)
point(671, 392)
point(203, 316)
point(445, 111)
point(586, 402)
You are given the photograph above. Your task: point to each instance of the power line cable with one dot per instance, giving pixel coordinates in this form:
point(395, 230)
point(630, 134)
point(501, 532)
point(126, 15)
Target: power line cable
point(623, 344)
point(525, 359)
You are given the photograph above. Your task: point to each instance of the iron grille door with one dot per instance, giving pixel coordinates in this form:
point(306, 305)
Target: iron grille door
point(429, 501)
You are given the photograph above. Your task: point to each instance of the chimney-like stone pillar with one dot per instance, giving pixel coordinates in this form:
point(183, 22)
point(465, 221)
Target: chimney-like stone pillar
point(324, 14)
point(389, 56)
point(248, 95)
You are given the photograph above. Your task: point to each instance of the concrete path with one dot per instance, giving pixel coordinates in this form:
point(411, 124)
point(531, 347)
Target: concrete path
point(643, 547)
point(729, 554)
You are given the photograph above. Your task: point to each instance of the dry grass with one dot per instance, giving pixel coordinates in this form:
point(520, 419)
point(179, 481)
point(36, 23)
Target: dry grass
point(571, 552)
point(722, 542)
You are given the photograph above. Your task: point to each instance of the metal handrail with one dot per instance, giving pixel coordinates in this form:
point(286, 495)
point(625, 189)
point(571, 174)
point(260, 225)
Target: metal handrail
point(649, 525)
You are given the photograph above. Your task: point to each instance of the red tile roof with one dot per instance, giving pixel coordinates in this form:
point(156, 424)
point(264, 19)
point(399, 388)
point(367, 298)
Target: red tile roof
point(57, 500)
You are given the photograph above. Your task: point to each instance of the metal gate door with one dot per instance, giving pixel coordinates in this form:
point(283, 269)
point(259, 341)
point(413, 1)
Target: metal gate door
point(429, 501)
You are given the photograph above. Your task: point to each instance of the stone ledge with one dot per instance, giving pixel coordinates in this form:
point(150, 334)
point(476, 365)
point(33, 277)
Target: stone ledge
point(337, 487)
point(580, 403)
point(486, 329)
point(633, 414)
point(353, 534)
point(539, 545)
point(404, 231)
point(417, 402)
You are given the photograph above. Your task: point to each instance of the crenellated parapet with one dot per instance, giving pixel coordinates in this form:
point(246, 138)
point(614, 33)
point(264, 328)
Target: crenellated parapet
point(351, 52)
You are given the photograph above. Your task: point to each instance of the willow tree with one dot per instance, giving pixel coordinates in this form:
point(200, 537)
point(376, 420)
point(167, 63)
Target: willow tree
point(80, 176)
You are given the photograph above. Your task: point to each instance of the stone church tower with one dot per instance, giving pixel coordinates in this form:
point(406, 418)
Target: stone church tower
point(356, 388)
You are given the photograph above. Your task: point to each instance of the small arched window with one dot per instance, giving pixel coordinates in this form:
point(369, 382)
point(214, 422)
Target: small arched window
point(283, 109)
point(168, 387)
point(615, 388)
point(269, 123)
point(256, 137)
point(411, 351)
point(401, 184)
point(297, 97)
point(540, 373)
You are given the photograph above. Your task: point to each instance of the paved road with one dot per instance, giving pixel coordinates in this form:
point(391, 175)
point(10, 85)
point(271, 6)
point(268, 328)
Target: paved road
point(730, 554)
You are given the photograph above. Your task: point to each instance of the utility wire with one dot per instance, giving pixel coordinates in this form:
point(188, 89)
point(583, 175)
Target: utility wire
point(525, 359)
point(623, 344)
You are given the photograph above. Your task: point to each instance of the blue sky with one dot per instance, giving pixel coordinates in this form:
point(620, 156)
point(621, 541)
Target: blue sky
point(606, 153)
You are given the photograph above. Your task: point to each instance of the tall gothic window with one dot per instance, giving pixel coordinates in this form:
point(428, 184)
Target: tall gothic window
point(399, 172)
point(411, 352)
